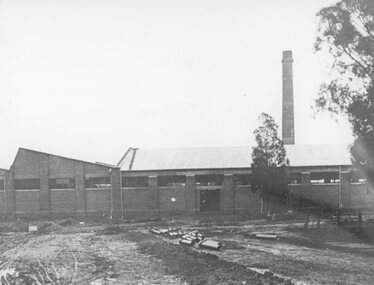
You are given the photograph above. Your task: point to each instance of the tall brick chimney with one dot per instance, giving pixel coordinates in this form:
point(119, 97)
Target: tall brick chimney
point(288, 124)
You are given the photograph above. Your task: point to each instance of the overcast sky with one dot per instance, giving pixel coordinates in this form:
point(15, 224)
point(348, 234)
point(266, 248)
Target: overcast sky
point(88, 79)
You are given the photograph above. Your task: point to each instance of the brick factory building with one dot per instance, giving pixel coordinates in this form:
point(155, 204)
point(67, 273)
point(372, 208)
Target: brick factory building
point(42, 184)
point(164, 181)
point(219, 179)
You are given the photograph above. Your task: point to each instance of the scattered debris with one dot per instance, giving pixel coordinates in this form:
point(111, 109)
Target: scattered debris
point(187, 238)
point(186, 241)
point(155, 231)
point(370, 220)
point(210, 244)
point(164, 231)
point(170, 232)
point(196, 236)
point(267, 236)
point(33, 228)
point(173, 234)
point(271, 236)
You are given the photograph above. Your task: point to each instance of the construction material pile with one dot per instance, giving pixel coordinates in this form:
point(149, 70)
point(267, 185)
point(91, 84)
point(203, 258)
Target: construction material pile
point(192, 238)
point(269, 236)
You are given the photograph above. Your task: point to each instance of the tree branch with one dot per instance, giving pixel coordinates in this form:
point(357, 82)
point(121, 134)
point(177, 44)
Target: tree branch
point(365, 69)
point(364, 26)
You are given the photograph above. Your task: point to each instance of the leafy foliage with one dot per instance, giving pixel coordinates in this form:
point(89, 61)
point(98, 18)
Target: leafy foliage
point(346, 30)
point(269, 163)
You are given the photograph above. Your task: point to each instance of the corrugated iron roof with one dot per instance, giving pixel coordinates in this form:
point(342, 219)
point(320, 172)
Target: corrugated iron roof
point(315, 155)
point(230, 157)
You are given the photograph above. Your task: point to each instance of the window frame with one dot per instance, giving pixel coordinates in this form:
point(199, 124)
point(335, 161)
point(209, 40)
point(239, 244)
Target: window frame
point(172, 183)
point(217, 178)
point(295, 178)
point(88, 184)
point(131, 181)
point(324, 178)
point(239, 182)
point(71, 182)
point(34, 187)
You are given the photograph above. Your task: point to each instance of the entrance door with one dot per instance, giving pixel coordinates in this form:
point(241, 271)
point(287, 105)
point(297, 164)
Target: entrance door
point(209, 200)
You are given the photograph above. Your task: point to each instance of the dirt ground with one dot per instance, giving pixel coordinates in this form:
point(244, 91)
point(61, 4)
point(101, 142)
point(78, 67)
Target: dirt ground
point(125, 252)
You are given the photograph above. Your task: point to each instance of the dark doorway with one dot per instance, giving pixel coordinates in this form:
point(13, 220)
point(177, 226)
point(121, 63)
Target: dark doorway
point(209, 200)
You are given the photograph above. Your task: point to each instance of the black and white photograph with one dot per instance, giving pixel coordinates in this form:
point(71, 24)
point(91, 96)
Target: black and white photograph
point(188, 142)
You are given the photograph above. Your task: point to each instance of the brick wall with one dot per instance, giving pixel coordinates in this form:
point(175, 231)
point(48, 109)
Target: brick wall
point(166, 203)
point(26, 164)
point(326, 195)
point(46, 201)
point(98, 201)
point(60, 167)
point(190, 194)
point(3, 172)
point(227, 194)
point(135, 200)
point(2, 204)
point(294, 196)
point(353, 195)
point(154, 199)
point(63, 201)
point(27, 202)
point(92, 169)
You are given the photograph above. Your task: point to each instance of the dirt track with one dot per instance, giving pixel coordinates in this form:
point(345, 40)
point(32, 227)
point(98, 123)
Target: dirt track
point(128, 254)
point(78, 258)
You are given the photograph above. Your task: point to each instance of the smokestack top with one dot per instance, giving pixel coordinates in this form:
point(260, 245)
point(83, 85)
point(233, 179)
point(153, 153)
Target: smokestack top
point(287, 56)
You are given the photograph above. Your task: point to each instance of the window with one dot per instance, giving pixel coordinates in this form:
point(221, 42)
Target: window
point(62, 183)
point(324, 177)
point(97, 182)
point(295, 178)
point(209, 180)
point(172, 181)
point(26, 184)
point(242, 179)
point(135, 181)
point(2, 182)
point(357, 176)
point(317, 181)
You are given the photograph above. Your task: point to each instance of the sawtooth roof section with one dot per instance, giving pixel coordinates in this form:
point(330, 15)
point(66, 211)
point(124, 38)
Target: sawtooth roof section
point(230, 157)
